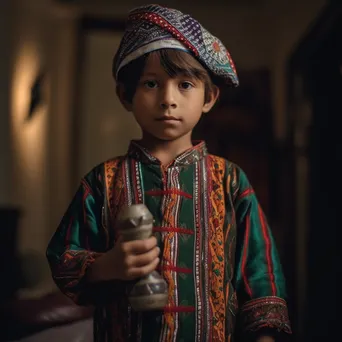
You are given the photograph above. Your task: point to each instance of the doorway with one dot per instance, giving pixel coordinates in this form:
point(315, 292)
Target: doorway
point(316, 106)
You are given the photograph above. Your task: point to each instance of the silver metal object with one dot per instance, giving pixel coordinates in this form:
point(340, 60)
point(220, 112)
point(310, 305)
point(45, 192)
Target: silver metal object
point(135, 222)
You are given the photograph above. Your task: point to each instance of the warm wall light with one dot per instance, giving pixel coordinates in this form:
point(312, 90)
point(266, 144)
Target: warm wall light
point(30, 139)
point(26, 67)
point(29, 136)
point(36, 95)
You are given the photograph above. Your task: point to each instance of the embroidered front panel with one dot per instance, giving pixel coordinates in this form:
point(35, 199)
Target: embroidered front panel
point(188, 204)
point(123, 184)
point(110, 322)
point(230, 232)
point(198, 248)
point(168, 195)
point(170, 209)
point(216, 220)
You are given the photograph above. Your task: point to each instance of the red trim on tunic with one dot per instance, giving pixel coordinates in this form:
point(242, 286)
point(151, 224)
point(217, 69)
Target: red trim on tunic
point(244, 256)
point(246, 193)
point(168, 192)
point(173, 230)
point(171, 309)
point(175, 269)
point(268, 249)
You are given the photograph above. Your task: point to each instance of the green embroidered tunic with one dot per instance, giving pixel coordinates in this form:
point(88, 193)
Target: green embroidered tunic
point(217, 252)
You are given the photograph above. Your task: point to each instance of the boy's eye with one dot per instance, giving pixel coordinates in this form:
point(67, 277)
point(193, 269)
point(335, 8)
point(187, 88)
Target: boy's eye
point(150, 84)
point(186, 85)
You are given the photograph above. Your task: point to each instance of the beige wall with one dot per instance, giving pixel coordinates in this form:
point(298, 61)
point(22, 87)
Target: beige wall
point(45, 35)
point(42, 40)
point(5, 137)
point(105, 126)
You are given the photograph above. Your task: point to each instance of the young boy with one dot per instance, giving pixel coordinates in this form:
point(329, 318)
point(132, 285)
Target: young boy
point(212, 243)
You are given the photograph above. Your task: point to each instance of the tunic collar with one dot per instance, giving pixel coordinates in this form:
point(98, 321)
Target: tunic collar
point(190, 156)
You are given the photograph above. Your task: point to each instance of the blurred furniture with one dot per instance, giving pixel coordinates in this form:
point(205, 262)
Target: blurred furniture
point(9, 218)
point(53, 317)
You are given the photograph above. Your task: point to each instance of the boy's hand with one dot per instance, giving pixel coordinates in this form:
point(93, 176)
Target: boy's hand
point(134, 259)
point(126, 261)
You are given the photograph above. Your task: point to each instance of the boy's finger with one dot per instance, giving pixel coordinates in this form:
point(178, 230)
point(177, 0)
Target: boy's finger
point(145, 270)
point(140, 246)
point(145, 258)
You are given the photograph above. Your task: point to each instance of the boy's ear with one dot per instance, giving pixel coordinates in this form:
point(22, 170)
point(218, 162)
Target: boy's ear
point(120, 92)
point(214, 95)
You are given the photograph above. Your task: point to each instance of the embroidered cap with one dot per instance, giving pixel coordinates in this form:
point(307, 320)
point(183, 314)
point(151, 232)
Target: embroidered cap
point(154, 27)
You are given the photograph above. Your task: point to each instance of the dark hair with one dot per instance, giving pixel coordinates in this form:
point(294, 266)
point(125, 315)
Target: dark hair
point(174, 62)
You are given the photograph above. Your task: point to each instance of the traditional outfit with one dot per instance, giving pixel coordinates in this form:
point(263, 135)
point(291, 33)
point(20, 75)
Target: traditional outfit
point(217, 252)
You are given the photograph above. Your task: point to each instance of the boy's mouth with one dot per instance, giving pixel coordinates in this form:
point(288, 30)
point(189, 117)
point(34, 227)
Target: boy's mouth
point(167, 118)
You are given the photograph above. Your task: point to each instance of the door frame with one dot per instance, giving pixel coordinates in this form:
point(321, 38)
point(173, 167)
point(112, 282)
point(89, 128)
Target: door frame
point(299, 122)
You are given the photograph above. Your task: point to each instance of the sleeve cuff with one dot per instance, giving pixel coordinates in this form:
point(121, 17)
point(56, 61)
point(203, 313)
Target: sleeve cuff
point(70, 273)
point(265, 313)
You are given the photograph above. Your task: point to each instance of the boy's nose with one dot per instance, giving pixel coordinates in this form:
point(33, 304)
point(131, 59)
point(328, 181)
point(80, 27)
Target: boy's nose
point(167, 105)
point(167, 99)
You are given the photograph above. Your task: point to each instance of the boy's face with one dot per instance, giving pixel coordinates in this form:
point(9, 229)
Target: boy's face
point(168, 107)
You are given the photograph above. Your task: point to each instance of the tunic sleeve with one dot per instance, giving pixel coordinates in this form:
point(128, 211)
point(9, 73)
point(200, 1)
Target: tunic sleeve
point(78, 241)
point(259, 278)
